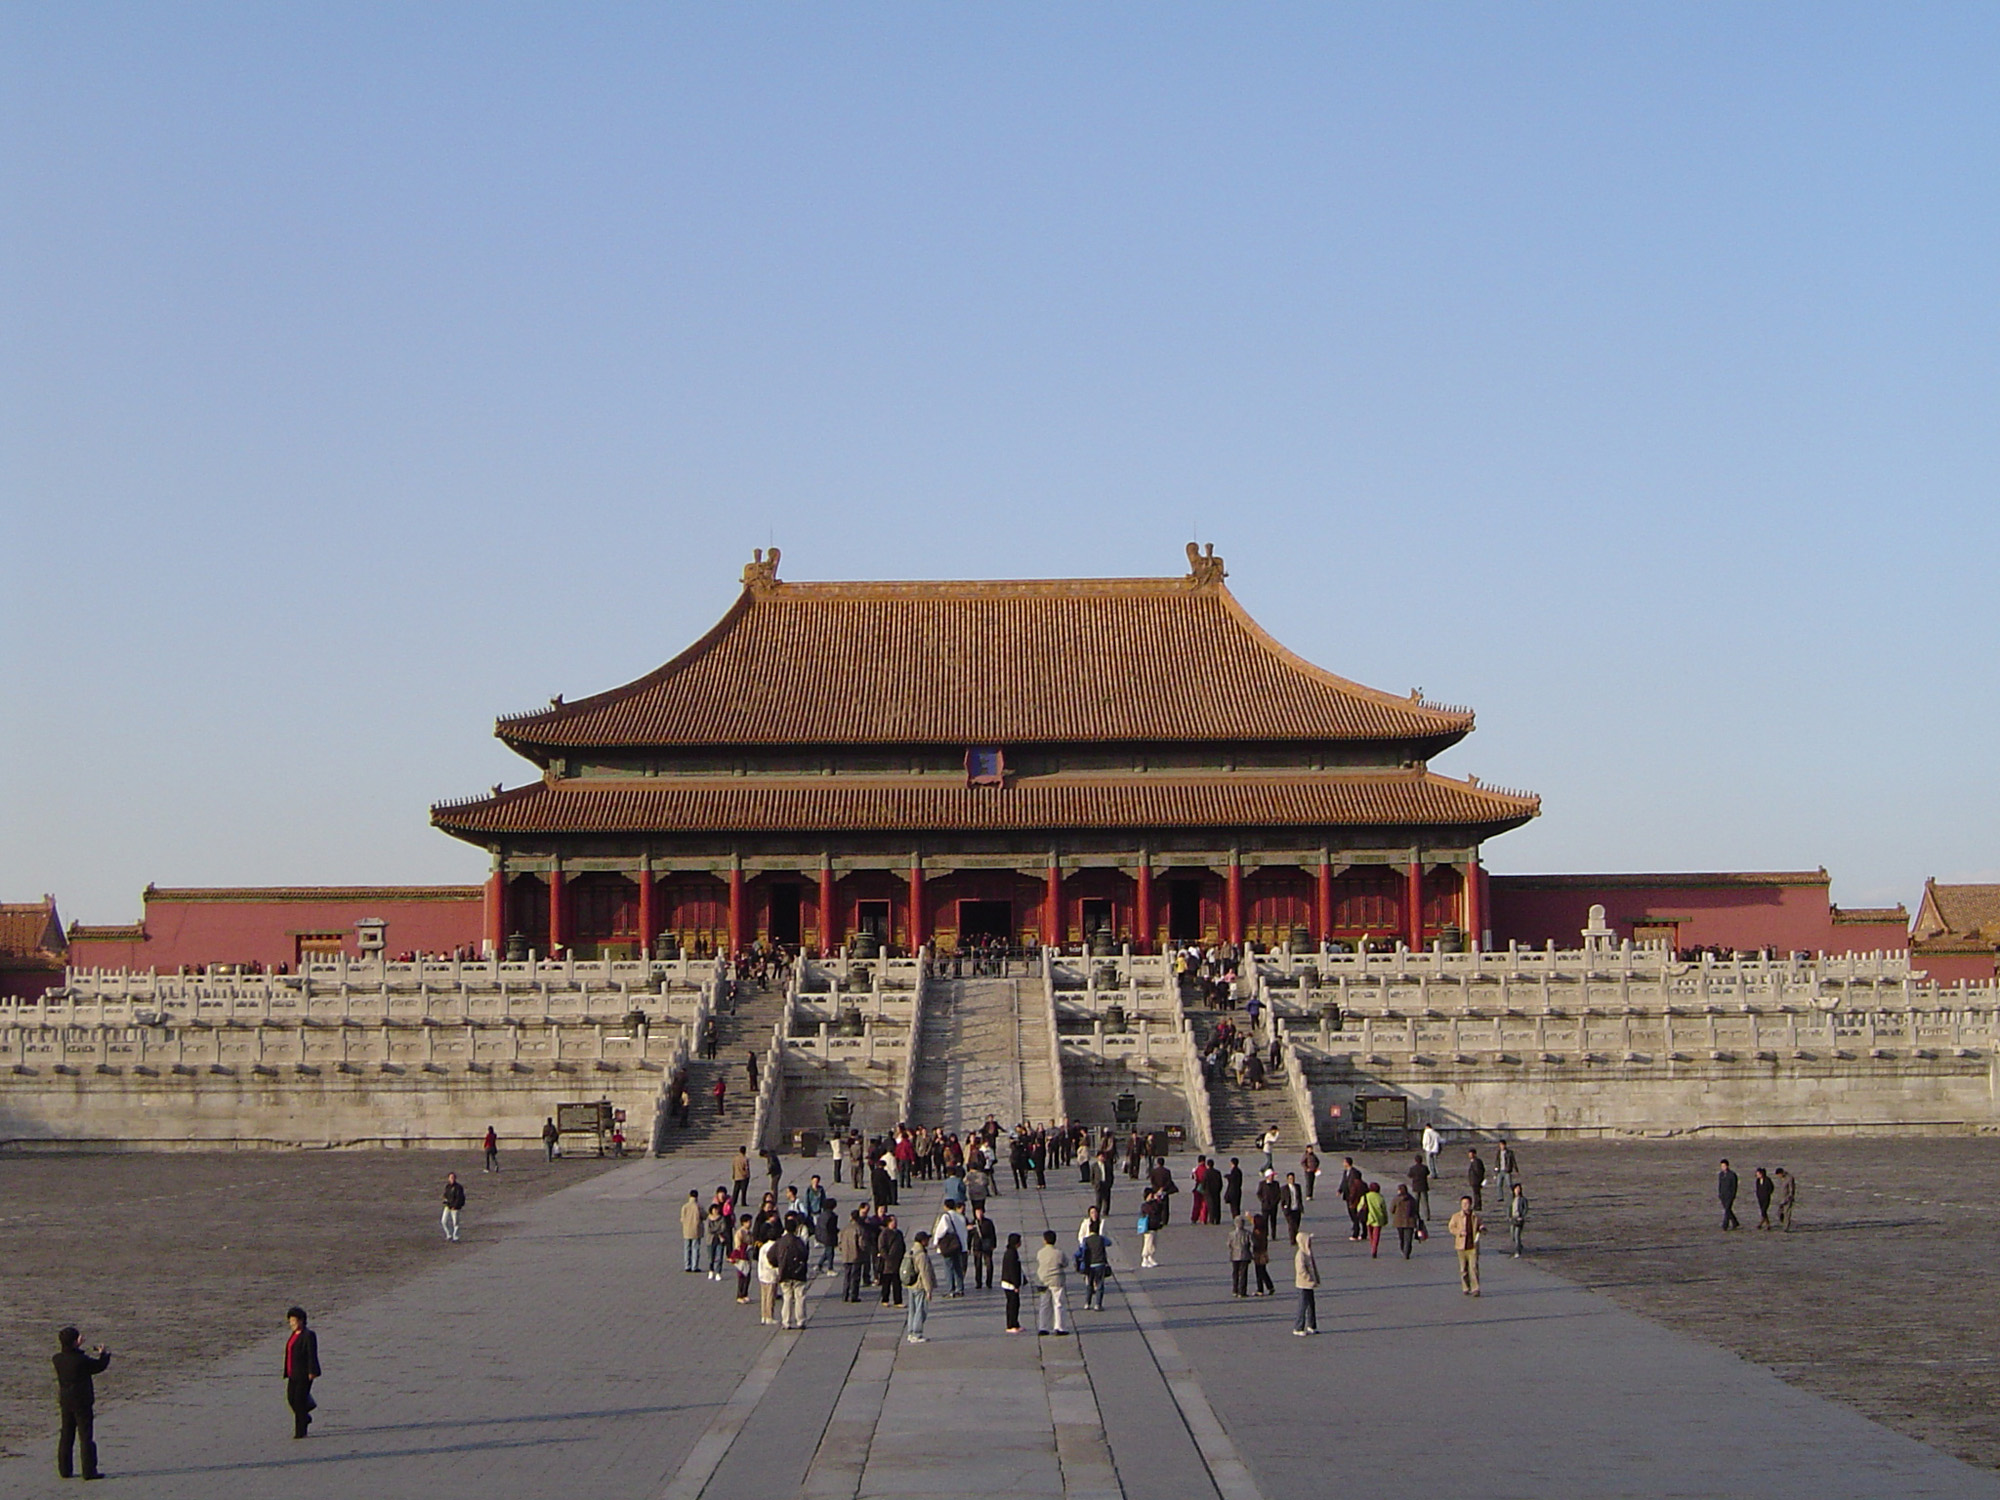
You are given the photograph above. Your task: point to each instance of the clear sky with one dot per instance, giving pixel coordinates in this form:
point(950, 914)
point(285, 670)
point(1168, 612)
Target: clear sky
point(1625, 372)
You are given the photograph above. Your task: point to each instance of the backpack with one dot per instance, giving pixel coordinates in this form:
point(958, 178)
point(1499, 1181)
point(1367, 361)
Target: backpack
point(793, 1265)
point(911, 1275)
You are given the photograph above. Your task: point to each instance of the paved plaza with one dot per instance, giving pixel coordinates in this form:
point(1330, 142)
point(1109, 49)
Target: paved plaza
point(573, 1355)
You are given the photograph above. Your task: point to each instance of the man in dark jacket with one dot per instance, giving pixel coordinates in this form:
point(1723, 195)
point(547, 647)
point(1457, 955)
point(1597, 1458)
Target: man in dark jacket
point(76, 1399)
point(301, 1370)
point(1232, 1188)
point(889, 1248)
point(985, 1239)
point(1475, 1178)
point(1725, 1192)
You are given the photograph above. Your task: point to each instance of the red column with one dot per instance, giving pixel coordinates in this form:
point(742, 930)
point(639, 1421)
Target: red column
point(558, 929)
point(736, 944)
point(829, 920)
point(1052, 918)
point(1323, 904)
point(1413, 898)
point(1474, 908)
point(1232, 906)
point(496, 912)
point(918, 932)
point(649, 924)
point(1142, 914)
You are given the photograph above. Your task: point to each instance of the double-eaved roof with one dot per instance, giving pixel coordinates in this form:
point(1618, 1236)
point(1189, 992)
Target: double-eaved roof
point(1041, 661)
point(963, 666)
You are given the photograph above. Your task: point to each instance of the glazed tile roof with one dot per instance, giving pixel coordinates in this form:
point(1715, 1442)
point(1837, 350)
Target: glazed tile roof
point(31, 935)
point(1003, 663)
point(288, 894)
point(1959, 911)
point(1402, 798)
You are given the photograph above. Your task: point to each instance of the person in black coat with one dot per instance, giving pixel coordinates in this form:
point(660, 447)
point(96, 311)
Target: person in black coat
point(1725, 1192)
point(889, 1249)
point(1010, 1281)
point(1232, 1189)
point(76, 1399)
point(301, 1370)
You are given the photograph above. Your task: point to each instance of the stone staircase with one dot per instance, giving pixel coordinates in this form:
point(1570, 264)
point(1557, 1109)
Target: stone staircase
point(983, 1050)
point(739, 1031)
point(1240, 1116)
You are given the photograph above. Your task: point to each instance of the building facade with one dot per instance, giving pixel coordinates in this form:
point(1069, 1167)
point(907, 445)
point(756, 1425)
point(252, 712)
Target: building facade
point(1038, 761)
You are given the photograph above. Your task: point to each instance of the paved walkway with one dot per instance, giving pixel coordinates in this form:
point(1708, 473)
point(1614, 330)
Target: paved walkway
point(573, 1356)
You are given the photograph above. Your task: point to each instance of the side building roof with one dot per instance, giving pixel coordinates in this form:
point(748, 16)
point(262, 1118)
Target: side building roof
point(975, 663)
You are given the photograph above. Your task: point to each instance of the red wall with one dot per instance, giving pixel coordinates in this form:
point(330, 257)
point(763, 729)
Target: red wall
point(1791, 913)
point(250, 926)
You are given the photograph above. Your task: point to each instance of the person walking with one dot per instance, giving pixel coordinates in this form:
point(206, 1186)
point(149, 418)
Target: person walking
point(301, 1369)
point(1353, 1188)
point(1466, 1227)
point(1309, 1170)
point(1232, 1189)
point(770, 1265)
point(1788, 1198)
point(454, 1203)
point(1049, 1279)
point(739, 1176)
point(983, 1239)
point(718, 1230)
point(1765, 1189)
point(719, 1091)
point(1374, 1216)
point(1419, 1177)
point(919, 1279)
point(1475, 1177)
point(1293, 1205)
point(491, 1146)
point(1239, 1256)
point(1260, 1255)
point(1433, 1147)
point(1517, 1216)
point(76, 1402)
point(1096, 1268)
point(1403, 1215)
point(889, 1251)
point(1725, 1192)
point(1506, 1166)
point(949, 1234)
point(550, 1135)
point(1305, 1276)
point(794, 1271)
point(1010, 1281)
point(1152, 1219)
point(1269, 1143)
point(743, 1253)
point(851, 1245)
point(692, 1232)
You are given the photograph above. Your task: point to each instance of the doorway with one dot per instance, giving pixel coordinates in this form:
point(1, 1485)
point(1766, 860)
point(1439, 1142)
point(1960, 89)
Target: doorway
point(873, 916)
point(1184, 911)
point(785, 903)
point(981, 920)
point(1096, 916)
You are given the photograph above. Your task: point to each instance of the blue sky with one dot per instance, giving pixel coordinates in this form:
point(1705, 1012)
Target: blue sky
point(1625, 372)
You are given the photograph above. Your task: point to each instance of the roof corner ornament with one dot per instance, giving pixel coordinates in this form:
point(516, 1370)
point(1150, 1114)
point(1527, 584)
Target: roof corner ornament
point(1204, 568)
point(762, 569)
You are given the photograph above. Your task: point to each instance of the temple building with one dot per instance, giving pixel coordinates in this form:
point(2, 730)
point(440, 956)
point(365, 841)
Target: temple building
point(1063, 760)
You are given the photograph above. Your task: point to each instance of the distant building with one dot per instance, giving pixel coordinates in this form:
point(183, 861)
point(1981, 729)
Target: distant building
point(1787, 911)
point(1957, 932)
point(32, 950)
point(274, 926)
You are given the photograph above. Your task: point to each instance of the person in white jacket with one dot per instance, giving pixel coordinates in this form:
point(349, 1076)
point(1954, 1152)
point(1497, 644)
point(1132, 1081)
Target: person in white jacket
point(948, 1238)
point(1433, 1144)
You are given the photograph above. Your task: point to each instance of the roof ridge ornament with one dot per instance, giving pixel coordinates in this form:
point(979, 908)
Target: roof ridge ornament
point(761, 572)
point(1204, 568)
